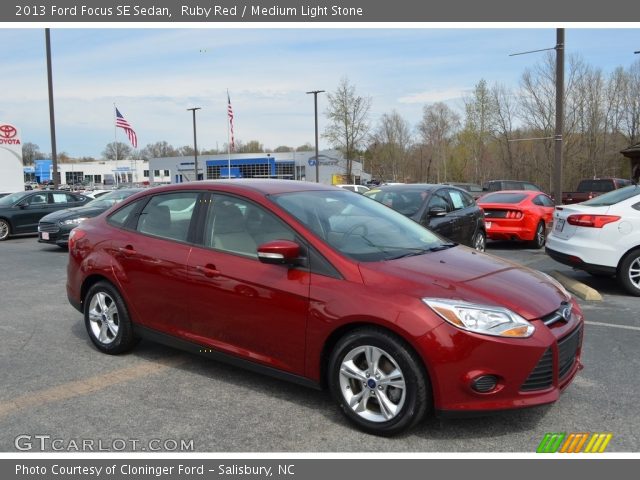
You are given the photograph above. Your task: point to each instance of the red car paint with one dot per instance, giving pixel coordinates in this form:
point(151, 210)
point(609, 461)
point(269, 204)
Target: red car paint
point(288, 318)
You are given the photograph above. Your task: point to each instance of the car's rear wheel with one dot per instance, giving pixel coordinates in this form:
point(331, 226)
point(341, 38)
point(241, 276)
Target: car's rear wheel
point(480, 241)
point(378, 381)
point(540, 236)
point(629, 272)
point(5, 229)
point(107, 319)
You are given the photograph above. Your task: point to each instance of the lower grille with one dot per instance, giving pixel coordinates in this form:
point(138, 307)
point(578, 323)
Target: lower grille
point(567, 350)
point(48, 227)
point(542, 375)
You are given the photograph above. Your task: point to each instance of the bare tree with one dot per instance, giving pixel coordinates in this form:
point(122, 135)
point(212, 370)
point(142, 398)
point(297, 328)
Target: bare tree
point(632, 103)
point(160, 149)
point(437, 128)
point(116, 151)
point(392, 138)
point(348, 116)
point(30, 152)
point(479, 109)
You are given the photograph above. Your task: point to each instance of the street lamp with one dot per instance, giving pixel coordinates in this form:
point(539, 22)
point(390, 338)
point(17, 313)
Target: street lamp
point(195, 141)
point(315, 105)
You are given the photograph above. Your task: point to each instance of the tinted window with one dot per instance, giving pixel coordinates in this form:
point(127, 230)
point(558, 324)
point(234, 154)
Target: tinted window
point(239, 226)
point(614, 196)
point(168, 215)
point(438, 200)
point(37, 199)
point(503, 198)
point(531, 186)
point(546, 201)
point(407, 202)
point(595, 186)
point(121, 217)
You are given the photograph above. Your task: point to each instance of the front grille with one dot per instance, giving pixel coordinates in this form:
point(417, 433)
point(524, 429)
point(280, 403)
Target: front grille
point(48, 227)
point(567, 350)
point(542, 375)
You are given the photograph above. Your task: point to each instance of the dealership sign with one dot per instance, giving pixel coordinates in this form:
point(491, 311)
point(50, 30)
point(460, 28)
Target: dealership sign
point(11, 173)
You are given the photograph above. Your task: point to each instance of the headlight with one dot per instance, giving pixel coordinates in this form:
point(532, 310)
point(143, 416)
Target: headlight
point(484, 319)
point(73, 221)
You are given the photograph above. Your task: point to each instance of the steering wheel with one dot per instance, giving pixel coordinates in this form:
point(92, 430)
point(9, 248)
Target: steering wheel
point(353, 229)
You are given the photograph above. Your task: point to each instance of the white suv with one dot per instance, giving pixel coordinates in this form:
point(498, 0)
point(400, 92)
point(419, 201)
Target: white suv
point(601, 236)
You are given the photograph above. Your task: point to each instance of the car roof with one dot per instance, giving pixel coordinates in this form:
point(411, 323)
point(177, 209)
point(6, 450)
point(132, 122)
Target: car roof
point(259, 185)
point(409, 186)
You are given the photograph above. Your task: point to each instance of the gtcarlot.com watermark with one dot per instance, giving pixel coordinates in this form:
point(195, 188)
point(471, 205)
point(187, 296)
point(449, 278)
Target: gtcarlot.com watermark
point(48, 443)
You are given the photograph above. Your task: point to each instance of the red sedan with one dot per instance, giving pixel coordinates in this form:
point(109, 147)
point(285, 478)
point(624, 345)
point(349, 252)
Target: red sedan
point(322, 287)
point(518, 215)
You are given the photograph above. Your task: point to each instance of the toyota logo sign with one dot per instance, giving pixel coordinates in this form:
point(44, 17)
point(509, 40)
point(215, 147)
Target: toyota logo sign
point(8, 131)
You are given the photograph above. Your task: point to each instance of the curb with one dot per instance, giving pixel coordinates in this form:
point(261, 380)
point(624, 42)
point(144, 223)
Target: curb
point(579, 289)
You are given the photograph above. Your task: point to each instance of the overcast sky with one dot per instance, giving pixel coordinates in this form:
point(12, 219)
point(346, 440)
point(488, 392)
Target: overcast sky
point(154, 75)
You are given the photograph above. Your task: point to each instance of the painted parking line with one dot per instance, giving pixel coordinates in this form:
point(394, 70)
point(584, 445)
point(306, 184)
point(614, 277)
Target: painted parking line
point(601, 324)
point(88, 385)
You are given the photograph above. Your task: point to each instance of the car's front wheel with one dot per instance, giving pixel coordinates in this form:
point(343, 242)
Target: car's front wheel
point(107, 319)
point(378, 381)
point(629, 272)
point(480, 241)
point(5, 229)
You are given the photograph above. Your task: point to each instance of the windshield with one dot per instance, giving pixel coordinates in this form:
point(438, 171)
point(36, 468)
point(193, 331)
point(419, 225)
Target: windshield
point(358, 227)
point(110, 199)
point(407, 202)
point(11, 199)
point(612, 197)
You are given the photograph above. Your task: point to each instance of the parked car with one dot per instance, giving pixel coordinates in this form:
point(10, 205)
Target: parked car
point(446, 210)
point(55, 227)
point(496, 185)
point(592, 187)
point(20, 212)
point(316, 285)
point(601, 236)
point(518, 215)
point(354, 188)
point(474, 189)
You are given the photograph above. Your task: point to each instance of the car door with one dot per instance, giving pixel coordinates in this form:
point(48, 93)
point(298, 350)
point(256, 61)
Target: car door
point(28, 212)
point(467, 214)
point(239, 305)
point(547, 208)
point(150, 260)
point(443, 224)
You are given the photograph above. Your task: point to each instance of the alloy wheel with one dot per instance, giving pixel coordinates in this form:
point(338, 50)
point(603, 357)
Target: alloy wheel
point(104, 317)
point(372, 383)
point(634, 272)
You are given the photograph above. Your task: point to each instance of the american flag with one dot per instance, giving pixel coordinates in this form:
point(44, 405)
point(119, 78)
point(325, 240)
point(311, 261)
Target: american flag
point(126, 126)
point(232, 144)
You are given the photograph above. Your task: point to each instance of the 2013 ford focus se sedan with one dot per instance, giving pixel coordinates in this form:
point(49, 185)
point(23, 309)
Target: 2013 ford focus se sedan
point(316, 285)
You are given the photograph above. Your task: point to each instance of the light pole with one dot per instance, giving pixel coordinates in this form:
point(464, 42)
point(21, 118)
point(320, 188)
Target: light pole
point(52, 117)
point(195, 140)
point(315, 105)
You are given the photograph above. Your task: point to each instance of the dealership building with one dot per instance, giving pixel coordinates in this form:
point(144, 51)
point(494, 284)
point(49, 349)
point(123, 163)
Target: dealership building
point(285, 165)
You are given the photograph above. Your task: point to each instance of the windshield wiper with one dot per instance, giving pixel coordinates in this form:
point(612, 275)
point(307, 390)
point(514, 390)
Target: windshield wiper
point(444, 246)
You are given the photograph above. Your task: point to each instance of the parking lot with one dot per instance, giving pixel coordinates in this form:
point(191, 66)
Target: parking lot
point(54, 382)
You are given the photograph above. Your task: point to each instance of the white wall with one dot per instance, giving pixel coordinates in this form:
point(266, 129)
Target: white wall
point(11, 172)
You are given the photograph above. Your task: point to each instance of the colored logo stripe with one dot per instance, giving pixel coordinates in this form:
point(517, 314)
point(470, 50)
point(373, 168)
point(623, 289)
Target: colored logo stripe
point(574, 442)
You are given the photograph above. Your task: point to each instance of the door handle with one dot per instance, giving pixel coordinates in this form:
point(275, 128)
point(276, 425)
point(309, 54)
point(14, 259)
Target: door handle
point(127, 251)
point(208, 270)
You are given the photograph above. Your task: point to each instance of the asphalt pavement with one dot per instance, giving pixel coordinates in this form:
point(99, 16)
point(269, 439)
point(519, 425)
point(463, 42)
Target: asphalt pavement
point(56, 385)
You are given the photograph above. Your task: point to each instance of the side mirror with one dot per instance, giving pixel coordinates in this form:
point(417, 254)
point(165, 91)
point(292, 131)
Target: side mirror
point(279, 252)
point(22, 205)
point(437, 212)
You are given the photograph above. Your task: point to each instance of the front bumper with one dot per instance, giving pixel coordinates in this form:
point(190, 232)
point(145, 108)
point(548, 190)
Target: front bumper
point(529, 372)
point(54, 234)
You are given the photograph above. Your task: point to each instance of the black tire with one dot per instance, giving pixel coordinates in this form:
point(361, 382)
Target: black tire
point(479, 241)
point(107, 320)
point(540, 237)
point(5, 229)
point(629, 272)
point(411, 400)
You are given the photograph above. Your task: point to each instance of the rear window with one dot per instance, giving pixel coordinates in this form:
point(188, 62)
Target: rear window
point(503, 198)
point(613, 197)
point(595, 186)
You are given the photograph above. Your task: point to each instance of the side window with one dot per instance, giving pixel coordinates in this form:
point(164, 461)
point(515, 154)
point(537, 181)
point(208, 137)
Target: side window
point(457, 200)
point(59, 198)
point(538, 201)
point(512, 186)
point(438, 200)
point(531, 186)
point(38, 199)
point(238, 226)
point(546, 201)
point(122, 216)
point(168, 215)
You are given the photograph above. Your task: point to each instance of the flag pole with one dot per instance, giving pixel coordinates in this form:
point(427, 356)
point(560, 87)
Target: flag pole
point(115, 141)
point(228, 137)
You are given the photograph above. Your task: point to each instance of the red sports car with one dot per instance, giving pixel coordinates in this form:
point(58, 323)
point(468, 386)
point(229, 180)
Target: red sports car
point(518, 215)
point(316, 285)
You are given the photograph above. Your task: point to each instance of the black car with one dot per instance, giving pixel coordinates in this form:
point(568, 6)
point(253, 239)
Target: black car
point(55, 227)
point(447, 210)
point(20, 212)
point(497, 185)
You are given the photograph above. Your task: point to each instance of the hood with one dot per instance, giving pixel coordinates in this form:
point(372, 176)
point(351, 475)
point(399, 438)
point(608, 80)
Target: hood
point(461, 273)
point(76, 212)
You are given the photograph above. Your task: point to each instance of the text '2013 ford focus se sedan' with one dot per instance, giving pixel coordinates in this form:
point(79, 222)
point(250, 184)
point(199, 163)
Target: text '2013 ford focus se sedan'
point(316, 285)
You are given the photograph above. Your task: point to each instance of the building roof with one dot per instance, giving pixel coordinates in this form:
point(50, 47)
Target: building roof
point(631, 152)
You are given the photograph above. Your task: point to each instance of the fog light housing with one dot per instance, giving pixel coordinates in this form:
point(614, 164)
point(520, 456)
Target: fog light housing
point(484, 383)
